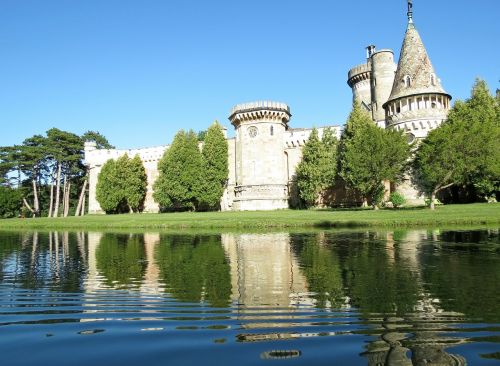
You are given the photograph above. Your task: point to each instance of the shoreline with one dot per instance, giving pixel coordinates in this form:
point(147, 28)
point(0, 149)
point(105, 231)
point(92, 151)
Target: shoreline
point(477, 214)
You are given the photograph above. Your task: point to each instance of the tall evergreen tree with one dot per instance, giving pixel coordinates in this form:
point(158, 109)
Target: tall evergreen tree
point(136, 184)
point(317, 170)
point(370, 155)
point(109, 192)
point(179, 182)
point(215, 168)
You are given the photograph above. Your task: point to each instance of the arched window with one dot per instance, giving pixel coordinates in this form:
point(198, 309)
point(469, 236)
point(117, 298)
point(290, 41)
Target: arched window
point(272, 130)
point(433, 79)
point(407, 81)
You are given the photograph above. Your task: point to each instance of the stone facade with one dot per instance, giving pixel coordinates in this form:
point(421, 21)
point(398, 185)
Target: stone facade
point(262, 159)
point(408, 97)
point(265, 151)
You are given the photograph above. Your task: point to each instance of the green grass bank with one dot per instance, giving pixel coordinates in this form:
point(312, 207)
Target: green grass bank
point(470, 214)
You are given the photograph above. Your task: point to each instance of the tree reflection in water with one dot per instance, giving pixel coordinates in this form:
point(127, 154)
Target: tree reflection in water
point(410, 291)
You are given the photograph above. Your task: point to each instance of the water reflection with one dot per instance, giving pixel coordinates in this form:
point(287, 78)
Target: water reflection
point(400, 297)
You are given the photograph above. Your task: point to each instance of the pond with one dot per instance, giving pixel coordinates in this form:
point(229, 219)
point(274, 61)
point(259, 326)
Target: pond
point(313, 298)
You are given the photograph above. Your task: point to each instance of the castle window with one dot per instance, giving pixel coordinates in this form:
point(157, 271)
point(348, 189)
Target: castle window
point(433, 79)
point(407, 81)
point(433, 105)
point(272, 130)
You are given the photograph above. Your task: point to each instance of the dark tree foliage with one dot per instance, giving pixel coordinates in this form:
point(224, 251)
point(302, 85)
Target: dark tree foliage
point(101, 141)
point(10, 202)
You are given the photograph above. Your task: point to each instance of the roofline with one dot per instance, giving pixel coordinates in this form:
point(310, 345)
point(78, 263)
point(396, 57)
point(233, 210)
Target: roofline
point(412, 95)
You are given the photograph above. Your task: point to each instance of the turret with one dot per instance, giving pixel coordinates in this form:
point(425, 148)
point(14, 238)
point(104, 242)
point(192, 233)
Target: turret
point(383, 69)
point(358, 79)
point(417, 103)
point(261, 174)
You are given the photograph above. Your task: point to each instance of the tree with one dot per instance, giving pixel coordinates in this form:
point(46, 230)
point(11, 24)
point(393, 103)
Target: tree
point(370, 155)
point(101, 141)
point(66, 152)
point(464, 149)
point(108, 188)
point(317, 170)
point(136, 184)
point(215, 168)
point(178, 184)
point(121, 185)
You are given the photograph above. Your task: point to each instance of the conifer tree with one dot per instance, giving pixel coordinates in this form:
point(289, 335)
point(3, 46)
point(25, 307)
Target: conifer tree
point(108, 188)
point(215, 168)
point(136, 183)
point(179, 182)
point(317, 170)
point(121, 185)
point(370, 155)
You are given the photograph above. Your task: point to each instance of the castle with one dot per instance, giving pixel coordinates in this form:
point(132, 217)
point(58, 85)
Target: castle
point(265, 151)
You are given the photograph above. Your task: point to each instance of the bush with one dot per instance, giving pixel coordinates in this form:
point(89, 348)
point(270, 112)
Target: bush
point(397, 199)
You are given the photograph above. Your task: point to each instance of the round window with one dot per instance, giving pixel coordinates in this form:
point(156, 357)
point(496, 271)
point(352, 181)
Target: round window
point(252, 131)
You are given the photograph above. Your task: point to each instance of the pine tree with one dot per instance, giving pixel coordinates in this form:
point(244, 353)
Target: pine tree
point(179, 182)
point(215, 168)
point(370, 155)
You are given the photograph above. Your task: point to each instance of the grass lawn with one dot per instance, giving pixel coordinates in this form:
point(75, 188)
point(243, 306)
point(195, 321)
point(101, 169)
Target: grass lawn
point(449, 215)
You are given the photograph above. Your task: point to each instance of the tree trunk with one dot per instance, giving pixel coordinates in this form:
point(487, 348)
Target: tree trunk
point(51, 203)
point(83, 203)
point(58, 189)
point(66, 203)
point(63, 203)
point(28, 206)
point(433, 198)
point(80, 200)
point(36, 205)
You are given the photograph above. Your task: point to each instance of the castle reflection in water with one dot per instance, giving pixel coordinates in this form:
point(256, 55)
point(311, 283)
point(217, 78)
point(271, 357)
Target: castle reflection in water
point(399, 283)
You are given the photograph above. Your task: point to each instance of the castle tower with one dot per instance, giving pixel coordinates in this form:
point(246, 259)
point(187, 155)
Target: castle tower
point(383, 69)
point(261, 165)
point(371, 83)
point(418, 102)
point(359, 78)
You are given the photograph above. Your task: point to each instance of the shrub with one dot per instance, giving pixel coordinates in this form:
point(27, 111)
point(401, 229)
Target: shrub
point(397, 199)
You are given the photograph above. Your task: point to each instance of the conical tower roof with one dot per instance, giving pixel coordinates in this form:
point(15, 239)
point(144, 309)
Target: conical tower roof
point(415, 74)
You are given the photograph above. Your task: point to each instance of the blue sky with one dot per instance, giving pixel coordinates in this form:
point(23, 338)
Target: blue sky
point(137, 71)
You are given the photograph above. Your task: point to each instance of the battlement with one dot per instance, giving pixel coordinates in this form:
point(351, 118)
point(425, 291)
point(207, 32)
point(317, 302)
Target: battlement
point(359, 73)
point(260, 111)
point(260, 105)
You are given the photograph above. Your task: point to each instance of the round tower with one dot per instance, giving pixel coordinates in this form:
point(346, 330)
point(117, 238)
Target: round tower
point(383, 69)
point(261, 175)
point(358, 79)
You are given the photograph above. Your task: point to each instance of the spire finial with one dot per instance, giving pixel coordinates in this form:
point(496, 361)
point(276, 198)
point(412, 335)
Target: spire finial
point(410, 11)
